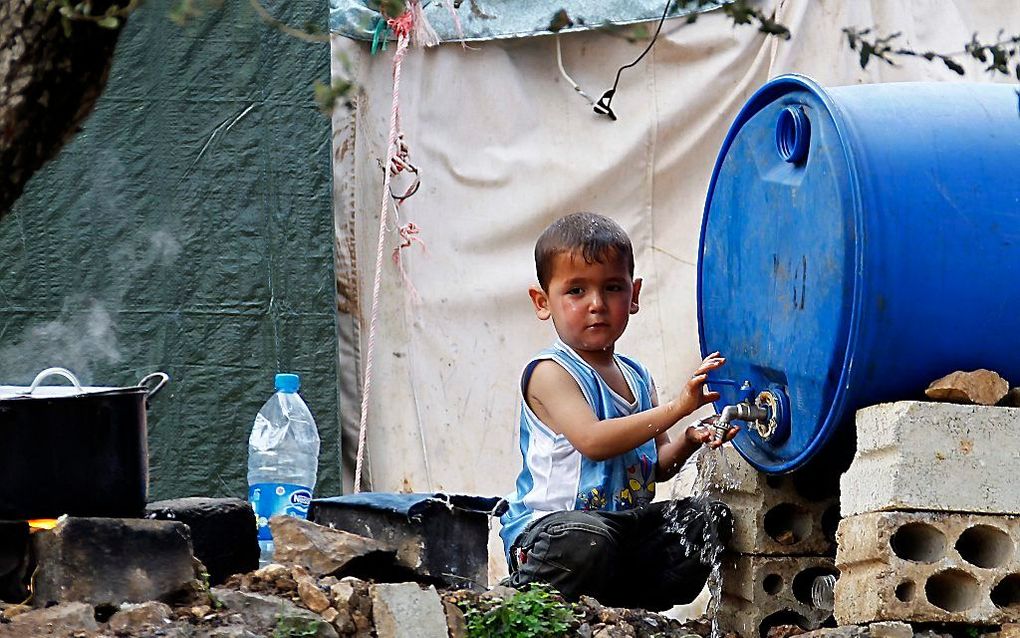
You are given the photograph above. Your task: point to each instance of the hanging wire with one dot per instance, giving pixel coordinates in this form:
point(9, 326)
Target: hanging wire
point(604, 104)
point(563, 72)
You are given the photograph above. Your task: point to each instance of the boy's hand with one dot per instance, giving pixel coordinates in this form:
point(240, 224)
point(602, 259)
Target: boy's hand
point(701, 434)
point(694, 393)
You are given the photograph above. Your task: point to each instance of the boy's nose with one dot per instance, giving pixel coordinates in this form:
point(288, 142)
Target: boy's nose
point(596, 303)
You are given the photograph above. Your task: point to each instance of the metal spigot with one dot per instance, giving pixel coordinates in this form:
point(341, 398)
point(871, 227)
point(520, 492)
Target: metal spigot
point(743, 411)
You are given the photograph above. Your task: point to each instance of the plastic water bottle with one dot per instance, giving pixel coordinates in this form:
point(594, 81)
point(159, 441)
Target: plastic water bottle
point(283, 455)
point(822, 590)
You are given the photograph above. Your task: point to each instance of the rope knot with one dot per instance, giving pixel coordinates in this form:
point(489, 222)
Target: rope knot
point(403, 25)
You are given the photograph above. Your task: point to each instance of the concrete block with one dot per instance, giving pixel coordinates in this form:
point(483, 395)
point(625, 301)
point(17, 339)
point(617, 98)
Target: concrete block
point(772, 515)
point(223, 532)
point(906, 450)
point(14, 561)
point(405, 610)
point(760, 592)
point(109, 561)
point(928, 567)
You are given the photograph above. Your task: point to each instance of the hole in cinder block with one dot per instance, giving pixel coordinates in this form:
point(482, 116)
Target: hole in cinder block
point(802, 582)
point(952, 590)
point(816, 484)
point(787, 524)
point(919, 542)
point(1006, 594)
point(772, 583)
point(782, 617)
point(775, 482)
point(830, 522)
point(984, 546)
point(906, 591)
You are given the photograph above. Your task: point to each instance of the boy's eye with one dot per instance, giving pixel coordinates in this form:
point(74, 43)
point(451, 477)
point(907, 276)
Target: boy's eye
point(574, 291)
point(614, 287)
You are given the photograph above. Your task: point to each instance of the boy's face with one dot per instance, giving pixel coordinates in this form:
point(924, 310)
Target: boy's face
point(589, 304)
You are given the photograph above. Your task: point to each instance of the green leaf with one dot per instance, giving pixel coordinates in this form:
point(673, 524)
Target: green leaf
point(560, 20)
point(953, 65)
point(109, 22)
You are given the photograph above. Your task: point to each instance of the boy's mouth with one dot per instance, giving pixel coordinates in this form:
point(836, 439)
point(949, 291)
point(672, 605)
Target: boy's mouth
point(598, 325)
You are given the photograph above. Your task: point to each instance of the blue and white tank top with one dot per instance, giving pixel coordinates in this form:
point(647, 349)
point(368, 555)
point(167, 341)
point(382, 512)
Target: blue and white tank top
point(556, 477)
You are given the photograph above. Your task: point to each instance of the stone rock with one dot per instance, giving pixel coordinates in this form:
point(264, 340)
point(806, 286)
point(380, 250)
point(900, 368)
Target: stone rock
point(321, 550)
point(847, 631)
point(266, 614)
point(10, 611)
point(785, 631)
point(329, 614)
point(890, 629)
point(312, 596)
point(1012, 398)
point(456, 623)
point(231, 631)
point(153, 614)
point(405, 610)
point(344, 622)
point(1009, 630)
point(623, 630)
point(66, 619)
point(499, 592)
point(14, 560)
point(342, 593)
point(982, 387)
point(223, 532)
point(153, 561)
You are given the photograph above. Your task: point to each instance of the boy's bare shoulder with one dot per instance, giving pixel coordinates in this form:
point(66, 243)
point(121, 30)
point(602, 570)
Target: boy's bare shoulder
point(549, 378)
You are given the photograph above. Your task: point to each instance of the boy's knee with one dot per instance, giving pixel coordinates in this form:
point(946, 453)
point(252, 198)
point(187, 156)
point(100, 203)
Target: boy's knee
point(572, 551)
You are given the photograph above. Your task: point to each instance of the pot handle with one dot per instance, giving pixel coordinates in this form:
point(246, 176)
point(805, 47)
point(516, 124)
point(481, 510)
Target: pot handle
point(49, 372)
point(149, 393)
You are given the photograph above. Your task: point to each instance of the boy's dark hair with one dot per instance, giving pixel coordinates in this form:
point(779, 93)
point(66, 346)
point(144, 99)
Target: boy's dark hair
point(595, 236)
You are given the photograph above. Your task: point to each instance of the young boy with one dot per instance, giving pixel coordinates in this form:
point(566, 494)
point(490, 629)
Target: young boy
point(593, 438)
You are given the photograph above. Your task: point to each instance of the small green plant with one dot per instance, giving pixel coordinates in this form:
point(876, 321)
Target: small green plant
point(538, 612)
point(293, 627)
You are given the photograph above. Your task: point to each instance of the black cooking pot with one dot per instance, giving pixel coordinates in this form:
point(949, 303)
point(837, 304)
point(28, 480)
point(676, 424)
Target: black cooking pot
point(80, 451)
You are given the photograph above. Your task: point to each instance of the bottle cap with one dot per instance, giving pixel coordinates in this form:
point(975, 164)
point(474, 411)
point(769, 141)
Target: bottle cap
point(288, 383)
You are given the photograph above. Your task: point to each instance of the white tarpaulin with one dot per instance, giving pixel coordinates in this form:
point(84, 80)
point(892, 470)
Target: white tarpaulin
point(505, 146)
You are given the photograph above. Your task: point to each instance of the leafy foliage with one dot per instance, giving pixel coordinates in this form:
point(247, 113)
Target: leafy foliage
point(740, 11)
point(292, 627)
point(1001, 56)
point(110, 17)
point(538, 612)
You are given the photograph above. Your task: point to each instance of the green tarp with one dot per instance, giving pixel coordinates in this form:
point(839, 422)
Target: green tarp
point(187, 228)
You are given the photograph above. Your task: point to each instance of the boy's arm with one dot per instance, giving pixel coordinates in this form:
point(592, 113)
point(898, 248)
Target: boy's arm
point(557, 400)
point(673, 454)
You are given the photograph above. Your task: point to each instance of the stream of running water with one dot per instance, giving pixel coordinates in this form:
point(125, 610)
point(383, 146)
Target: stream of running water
point(714, 476)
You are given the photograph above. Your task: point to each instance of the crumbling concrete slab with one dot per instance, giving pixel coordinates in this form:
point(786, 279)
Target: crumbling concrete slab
point(928, 567)
point(772, 515)
point(405, 610)
point(764, 591)
point(906, 451)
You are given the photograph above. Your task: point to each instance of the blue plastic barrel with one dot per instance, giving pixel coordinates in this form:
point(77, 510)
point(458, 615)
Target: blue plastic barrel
point(857, 243)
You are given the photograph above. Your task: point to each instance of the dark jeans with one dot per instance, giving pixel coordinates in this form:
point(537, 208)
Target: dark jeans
point(636, 558)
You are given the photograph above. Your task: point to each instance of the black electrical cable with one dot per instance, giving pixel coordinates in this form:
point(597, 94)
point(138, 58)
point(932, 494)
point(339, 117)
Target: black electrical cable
point(604, 104)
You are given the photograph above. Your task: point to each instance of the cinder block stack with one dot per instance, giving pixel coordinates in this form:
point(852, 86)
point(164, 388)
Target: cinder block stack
point(930, 530)
point(783, 539)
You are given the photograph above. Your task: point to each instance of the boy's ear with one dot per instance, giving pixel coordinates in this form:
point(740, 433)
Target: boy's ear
point(541, 302)
point(634, 297)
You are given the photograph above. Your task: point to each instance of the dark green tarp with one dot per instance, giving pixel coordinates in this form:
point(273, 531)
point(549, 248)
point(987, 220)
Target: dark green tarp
point(187, 228)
